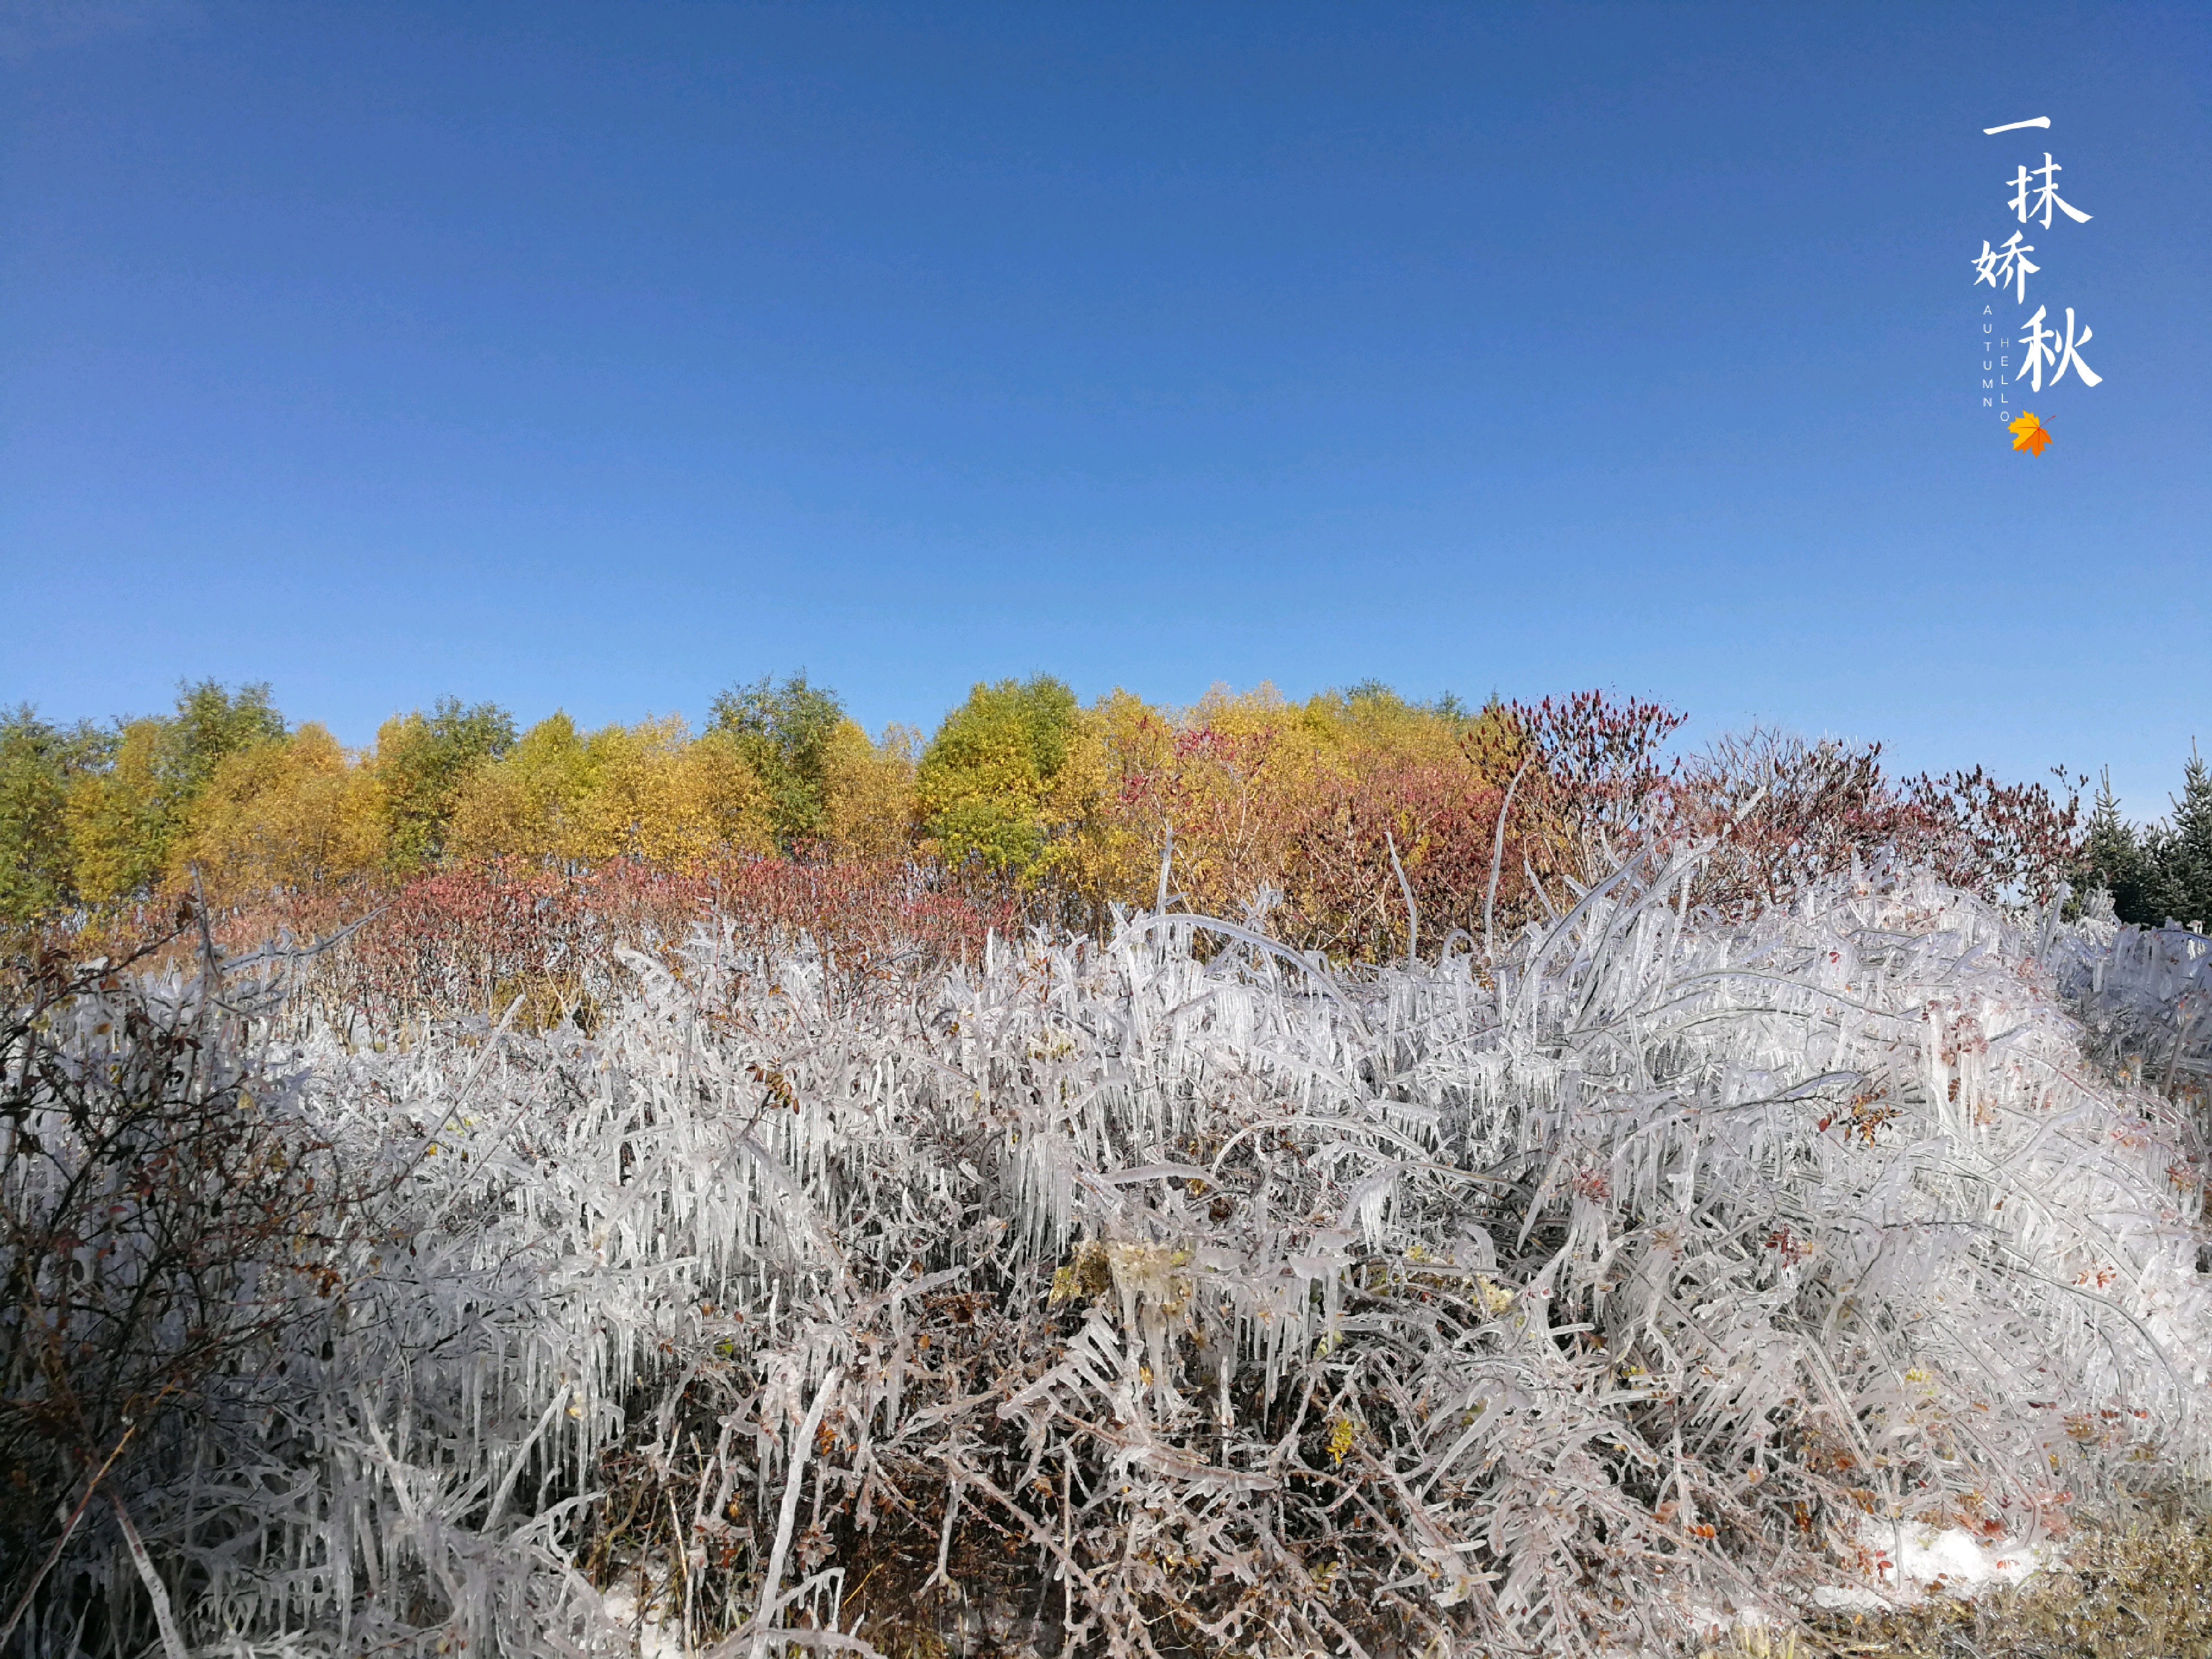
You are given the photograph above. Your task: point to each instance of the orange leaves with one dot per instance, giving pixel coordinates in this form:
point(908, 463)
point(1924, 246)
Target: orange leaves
point(2028, 433)
point(1311, 801)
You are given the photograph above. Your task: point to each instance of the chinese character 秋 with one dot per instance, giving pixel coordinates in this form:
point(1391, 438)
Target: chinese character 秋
point(2045, 345)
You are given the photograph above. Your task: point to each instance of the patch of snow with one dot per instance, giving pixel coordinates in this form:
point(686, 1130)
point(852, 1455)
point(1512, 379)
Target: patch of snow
point(1965, 1564)
point(653, 1640)
point(1923, 1560)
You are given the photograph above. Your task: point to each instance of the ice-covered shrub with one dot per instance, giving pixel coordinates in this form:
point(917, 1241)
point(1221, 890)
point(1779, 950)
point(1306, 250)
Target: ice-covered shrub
point(1132, 1295)
point(164, 1227)
point(2145, 994)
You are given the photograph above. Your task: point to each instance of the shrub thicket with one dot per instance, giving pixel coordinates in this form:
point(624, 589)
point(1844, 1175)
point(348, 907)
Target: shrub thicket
point(1166, 1291)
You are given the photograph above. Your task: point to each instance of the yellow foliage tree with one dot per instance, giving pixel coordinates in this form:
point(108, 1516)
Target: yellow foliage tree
point(126, 820)
point(657, 794)
point(287, 813)
point(868, 792)
point(1371, 727)
point(989, 791)
point(649, 792)
point(114, 820)
point(1295, 797)
point(1240, 778)
point(519, 807)
point(424, 762)
point(1094, 853)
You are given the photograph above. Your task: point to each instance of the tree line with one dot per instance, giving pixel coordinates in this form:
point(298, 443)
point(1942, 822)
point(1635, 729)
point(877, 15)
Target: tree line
point(2160, 871)
point(1351, 821)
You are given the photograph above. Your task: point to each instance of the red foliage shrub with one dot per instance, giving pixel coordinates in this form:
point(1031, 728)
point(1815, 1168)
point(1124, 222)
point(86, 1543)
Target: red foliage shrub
point(476, 937)
point(1783, 813)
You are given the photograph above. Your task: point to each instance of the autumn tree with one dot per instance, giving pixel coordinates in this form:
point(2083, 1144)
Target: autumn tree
point(647, 791)
point(421, 763)
point(787, 734)
point(39, 763)
point(1232, 779)
point(985, 787)
point(868, 792)
point(125, 818)
point(118, 818)
point(209, 724)
point(653, 793)
point(284, 814)
point(1406, 801)
point(1334, 811)
point(520, 805)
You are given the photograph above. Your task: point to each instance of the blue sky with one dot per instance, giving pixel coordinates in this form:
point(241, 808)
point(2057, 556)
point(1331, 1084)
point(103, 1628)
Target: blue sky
point(599, 356)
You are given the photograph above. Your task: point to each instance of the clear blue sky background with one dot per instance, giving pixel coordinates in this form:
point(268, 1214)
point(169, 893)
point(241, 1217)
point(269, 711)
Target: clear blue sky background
point(600, 356)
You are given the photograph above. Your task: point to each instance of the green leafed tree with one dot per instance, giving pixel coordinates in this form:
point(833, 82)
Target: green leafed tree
point(786, 733)
point(982, 782)
point(37, 763)
point(421, 762)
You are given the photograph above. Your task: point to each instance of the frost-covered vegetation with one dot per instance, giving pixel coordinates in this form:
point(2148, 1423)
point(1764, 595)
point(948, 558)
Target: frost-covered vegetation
point(1266, 1177)
point(1169, 1289)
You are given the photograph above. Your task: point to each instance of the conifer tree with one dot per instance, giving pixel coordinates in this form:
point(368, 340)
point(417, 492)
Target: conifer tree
point(2113, 857)
point(2184, 886)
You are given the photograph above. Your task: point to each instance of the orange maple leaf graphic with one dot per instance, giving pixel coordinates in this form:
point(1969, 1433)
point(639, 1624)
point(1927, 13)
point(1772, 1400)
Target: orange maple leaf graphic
point(2028, 435)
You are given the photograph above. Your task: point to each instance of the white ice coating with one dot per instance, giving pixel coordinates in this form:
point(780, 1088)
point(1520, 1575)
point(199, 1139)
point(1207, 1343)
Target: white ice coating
point(1674, 1254)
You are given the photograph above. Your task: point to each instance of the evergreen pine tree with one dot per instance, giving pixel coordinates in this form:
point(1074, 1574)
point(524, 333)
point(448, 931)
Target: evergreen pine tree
point(2113, 857)
point(2184, 853)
